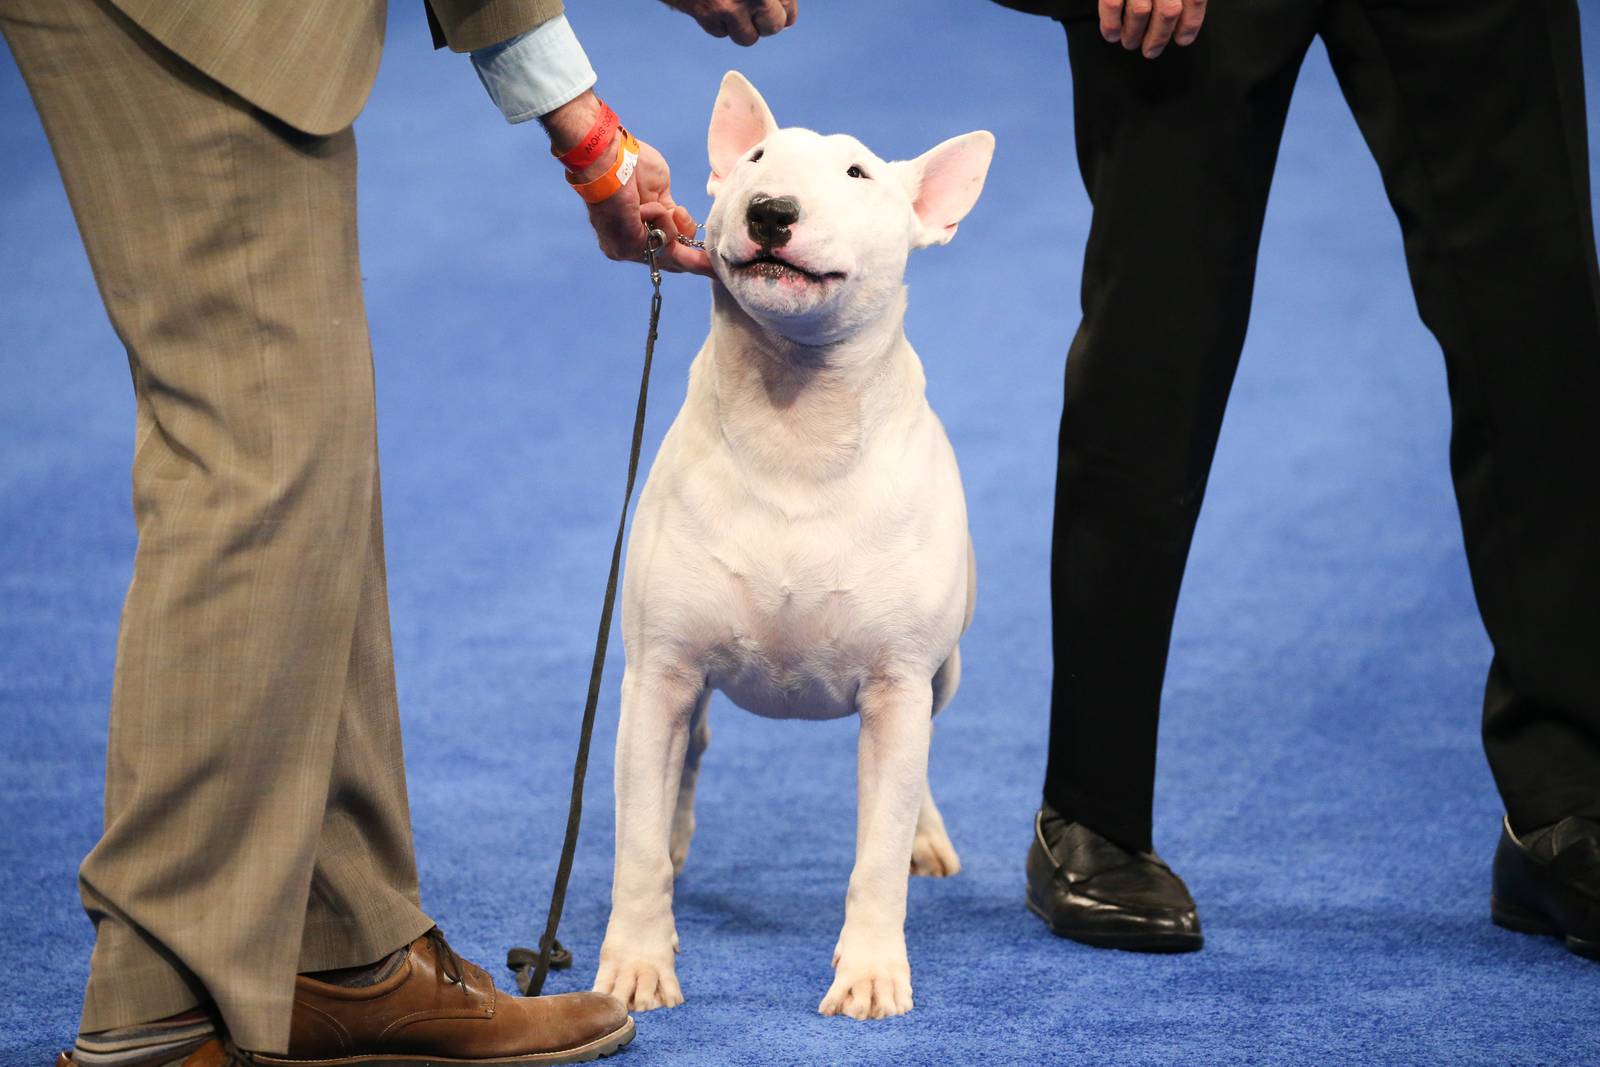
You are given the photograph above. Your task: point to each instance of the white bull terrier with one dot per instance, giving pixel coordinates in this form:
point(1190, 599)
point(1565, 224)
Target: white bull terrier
point(801, 543)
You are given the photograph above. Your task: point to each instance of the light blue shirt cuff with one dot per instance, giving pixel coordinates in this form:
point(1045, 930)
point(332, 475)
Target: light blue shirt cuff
point(536, 72)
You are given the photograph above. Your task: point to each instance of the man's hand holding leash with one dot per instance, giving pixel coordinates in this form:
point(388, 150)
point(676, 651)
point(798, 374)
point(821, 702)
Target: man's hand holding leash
point(622, 211)
point(627, 184)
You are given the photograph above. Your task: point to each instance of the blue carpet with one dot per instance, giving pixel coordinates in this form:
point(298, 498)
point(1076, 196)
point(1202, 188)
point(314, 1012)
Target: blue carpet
point(1321, 785)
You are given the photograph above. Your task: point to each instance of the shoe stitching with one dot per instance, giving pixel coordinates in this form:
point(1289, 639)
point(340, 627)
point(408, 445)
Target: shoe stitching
point(341, 1032)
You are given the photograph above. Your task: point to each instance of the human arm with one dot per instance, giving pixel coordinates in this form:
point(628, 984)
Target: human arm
point(544, 74)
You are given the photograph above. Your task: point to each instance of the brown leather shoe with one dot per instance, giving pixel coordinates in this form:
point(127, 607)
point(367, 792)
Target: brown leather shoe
point(439, 1009)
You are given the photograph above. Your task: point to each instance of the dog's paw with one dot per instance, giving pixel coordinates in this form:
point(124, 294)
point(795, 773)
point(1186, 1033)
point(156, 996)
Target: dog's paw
point(869, 984)
point(933, 856)
point(641, 984)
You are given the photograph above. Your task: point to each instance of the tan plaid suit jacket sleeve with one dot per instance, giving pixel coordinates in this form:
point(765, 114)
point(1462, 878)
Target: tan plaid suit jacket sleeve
point(311, 63)
point(468, 24)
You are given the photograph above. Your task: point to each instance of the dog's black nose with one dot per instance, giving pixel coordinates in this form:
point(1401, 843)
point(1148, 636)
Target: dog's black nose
point(769, 219)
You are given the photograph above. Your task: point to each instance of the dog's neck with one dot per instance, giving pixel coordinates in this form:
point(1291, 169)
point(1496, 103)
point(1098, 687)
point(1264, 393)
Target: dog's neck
point(808, 411)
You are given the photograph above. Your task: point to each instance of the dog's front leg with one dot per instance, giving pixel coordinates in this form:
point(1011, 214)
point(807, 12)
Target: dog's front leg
point(872, 974)
point(636, 959)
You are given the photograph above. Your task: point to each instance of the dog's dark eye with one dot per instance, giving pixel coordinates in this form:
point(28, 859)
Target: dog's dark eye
point(855, 172)
point(755, 156)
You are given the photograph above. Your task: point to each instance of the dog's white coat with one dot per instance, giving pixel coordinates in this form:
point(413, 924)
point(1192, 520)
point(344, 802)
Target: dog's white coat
point(801, 543)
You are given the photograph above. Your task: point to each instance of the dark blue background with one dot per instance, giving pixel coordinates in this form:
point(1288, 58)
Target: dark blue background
point(1321, 784)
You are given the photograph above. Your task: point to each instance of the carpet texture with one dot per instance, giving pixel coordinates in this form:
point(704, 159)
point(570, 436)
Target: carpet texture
point(1321, 783)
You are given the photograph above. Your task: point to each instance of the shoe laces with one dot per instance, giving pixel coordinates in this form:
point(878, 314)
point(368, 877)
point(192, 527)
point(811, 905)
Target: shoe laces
point(449, 962)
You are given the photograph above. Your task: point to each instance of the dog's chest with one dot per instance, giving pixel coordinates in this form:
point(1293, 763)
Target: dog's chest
point(785, 581)
point(801, 624)
point(796, 613)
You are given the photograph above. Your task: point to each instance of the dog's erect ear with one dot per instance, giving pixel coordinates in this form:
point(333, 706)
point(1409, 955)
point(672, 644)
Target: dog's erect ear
point(944, 183)
point(740, 120)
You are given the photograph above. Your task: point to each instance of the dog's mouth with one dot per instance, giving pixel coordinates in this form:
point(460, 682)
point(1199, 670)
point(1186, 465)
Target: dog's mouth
point(775, 267)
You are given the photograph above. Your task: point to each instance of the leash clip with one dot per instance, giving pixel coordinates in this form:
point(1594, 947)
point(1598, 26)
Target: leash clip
point(654, 242)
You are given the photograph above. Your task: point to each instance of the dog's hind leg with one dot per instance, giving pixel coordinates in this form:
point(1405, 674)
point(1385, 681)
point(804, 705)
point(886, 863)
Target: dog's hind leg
point(946, 680)
point(637, 963)
point(683, 816)
point(932, 854)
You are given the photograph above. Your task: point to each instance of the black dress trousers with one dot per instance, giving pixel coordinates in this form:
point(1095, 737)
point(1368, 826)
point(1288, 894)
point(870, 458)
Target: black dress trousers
point(1474, 110)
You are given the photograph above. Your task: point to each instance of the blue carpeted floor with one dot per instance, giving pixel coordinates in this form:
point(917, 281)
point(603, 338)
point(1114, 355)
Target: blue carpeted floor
point(1322, 787)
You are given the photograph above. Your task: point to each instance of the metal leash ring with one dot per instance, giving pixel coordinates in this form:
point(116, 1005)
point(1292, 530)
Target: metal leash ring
point(655, 240)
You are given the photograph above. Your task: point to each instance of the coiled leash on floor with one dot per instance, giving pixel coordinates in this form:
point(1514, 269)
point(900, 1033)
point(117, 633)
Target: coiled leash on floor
point(532, 967)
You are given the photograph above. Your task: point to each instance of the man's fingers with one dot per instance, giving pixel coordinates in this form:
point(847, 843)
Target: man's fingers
point(746, 21)
point(672, 220)
point(684, 260)
point(663, 216)
point(1194, 13)
point(1135, 19)
point(741, 28)
point(671, 255)
point(1111, 20)
point(685, 222)
point(768, 16)
point(1163, 20)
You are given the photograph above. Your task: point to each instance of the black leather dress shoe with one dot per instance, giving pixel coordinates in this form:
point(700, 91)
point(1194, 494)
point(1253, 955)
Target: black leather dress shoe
point(1553, 886)
point(1091, 890)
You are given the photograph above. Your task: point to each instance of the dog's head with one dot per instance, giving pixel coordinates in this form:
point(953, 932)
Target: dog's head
point(810, 233)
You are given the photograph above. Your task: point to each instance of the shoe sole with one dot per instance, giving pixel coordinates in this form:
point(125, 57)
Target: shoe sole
point(594, 1050)
point(1522, 920)
point(1164, 944)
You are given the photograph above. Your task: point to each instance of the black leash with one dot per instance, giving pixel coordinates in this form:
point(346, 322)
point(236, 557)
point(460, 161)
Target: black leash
point(532, 967)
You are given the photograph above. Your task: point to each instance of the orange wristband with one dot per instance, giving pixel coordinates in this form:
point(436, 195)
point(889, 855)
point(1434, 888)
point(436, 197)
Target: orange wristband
point(607, 185)
point(593, 143)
